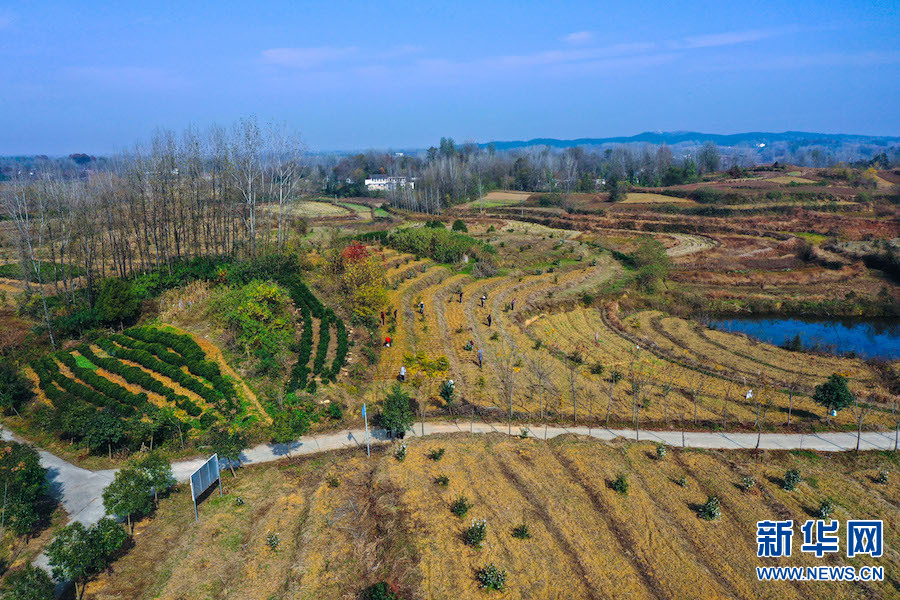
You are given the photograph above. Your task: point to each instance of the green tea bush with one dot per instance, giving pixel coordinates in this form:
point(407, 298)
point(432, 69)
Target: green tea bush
point(711, 510)
point(491, 577)
point(791, 480)
point(476, 533)
point(460, 506)
point(521, 532)
point(826, 509)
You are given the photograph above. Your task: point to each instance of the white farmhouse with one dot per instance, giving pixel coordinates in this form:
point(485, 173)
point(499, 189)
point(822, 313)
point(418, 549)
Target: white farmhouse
point(388, 182)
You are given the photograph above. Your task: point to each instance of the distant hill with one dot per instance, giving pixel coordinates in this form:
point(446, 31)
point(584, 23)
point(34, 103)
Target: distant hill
point(692, 137)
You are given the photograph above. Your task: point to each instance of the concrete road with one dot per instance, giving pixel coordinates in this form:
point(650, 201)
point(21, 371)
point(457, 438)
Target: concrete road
point(81, 491)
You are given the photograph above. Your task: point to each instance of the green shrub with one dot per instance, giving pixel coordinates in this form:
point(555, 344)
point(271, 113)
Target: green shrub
point(460, 506)
point(436, 454)
point(442, 480)
point(476, 533)
point(258, 316)
point(335, 411)
point(682, 481)
point(661, 451)
point(400, 452)
point(459, 225)
point(620, 484)
point(441, 245)
point(791, 480)
point(520, 532)
point(379, 591)
point(711, 510)
point(273, 540)
point(883, 477)
point(491, 577)
point(15, 389)
point(747, 483)
point(826, 509)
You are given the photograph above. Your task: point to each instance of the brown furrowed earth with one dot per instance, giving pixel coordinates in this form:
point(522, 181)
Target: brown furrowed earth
point(344, 522)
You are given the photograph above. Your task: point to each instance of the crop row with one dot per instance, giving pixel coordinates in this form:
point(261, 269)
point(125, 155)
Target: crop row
point(150, 362)
point(324, 340)
point(300, 372)
point(191, 354)
point(310, 307)
point(48, 373)
point(133, 375)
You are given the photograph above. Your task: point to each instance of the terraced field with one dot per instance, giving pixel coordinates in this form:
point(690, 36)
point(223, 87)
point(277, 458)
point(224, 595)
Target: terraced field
point(560, 363)
point(390, 521)
point(147, 380)
point(740, 354)
point(651, 198)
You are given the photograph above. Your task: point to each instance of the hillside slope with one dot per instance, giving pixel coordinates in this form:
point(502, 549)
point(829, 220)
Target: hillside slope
point(344, 522)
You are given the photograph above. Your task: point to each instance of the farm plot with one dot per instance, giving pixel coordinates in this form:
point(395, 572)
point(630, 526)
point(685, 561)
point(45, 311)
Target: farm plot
point(499, 198)
point(309, 209)
point(391, 521)
point(741, 354)
point(672, 379)
point(362, 211)
point(129, 387)
point(512, 357)
point(650, 198)
point(405, 277)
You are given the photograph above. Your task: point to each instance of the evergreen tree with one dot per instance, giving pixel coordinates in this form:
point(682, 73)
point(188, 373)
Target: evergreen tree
point(128, 494)
point(396, 414)
point(834, 394)
point(78, 553)
point(30, 583)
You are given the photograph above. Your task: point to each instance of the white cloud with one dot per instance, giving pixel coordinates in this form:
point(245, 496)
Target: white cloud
point(714, 40)
point(579, 38)
point(305, 58)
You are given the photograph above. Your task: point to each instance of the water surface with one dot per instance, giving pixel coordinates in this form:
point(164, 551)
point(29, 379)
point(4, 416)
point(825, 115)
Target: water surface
point(868, 338)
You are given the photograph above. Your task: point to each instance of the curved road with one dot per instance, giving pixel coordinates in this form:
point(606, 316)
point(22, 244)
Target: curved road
point(80, 490)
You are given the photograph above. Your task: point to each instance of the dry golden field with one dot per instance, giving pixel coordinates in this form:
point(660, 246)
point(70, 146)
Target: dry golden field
point(650, 198)
point(345, 522)
point(685, 372)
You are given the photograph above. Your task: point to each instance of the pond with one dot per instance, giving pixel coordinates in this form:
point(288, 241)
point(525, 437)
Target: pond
point(867, 338)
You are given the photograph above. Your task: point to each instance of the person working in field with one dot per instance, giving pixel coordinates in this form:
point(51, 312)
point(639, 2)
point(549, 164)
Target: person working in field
point(387, 342)
point(490, 320)
point(422, 308)
point(480, 358)
point(382, 318)
point(483, 298)
point(460, 296)
point(402, 376)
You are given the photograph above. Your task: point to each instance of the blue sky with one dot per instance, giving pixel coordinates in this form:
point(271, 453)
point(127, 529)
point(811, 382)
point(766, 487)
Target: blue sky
point(98, 76)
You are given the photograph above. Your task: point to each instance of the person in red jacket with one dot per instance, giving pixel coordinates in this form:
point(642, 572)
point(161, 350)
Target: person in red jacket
point(387, 342)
